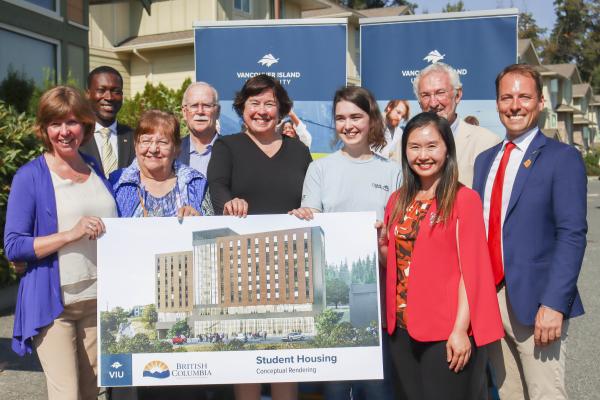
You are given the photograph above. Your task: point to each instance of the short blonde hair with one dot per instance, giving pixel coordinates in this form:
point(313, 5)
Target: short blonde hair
point(56, 104)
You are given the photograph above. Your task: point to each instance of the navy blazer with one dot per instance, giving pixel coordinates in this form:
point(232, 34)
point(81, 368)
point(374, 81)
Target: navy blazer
point(544, 231)
point(184, 151)
point(125, 145)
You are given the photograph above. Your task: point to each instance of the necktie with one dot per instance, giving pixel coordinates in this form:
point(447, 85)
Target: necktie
point(495, 218)
point(109, 159)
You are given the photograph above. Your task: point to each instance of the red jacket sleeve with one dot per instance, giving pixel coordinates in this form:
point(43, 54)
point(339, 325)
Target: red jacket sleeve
point(486, 323)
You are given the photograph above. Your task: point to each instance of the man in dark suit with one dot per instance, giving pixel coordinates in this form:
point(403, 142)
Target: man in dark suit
point(201, 109)
point(534, 195)
point(112, 144)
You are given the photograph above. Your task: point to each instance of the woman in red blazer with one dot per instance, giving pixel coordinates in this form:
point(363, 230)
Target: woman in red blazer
point(441, 304)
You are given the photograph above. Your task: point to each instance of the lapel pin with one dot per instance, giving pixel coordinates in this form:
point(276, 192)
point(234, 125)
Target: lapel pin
point(527, 163)
point(125, 140)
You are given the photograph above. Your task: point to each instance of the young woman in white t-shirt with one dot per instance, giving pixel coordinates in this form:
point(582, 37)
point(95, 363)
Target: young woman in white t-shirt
point(353, 178)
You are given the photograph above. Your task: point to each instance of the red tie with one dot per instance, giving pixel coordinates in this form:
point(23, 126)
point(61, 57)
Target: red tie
point(495, 218)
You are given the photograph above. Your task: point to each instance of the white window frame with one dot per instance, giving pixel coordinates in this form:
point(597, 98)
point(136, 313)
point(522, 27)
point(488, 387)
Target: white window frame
point(55, 14)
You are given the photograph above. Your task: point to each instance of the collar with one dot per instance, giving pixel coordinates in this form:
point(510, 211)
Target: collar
point(208, 147)
point(454, 125)
point(112, 127)
point(524, 140)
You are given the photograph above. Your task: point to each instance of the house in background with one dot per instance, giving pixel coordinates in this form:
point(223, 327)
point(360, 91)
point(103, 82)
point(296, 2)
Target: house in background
point(552, 90)
point(594, 118)
point(353, 51)
point(44, 39)
point(153, 40)
point(566, 75)
point(582, 97)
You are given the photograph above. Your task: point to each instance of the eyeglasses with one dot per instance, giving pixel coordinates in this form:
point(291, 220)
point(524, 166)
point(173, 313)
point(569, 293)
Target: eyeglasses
point(255, 105)
point(200, 106)
point(440, 95)
point(161, 144)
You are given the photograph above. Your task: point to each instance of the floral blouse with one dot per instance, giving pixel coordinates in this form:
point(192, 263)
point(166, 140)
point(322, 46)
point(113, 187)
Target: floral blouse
point(405, 233)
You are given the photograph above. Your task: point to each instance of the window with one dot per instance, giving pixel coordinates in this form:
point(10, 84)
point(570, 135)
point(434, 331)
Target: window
point(28, 54)
point(242, 5)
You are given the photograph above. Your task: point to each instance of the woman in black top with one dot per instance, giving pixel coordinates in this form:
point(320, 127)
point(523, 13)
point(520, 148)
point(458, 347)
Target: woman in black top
point(259, 171)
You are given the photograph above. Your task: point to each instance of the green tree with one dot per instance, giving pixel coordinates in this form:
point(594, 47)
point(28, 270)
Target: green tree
point(529, 29)
point(325, 324)
point(589, 64)
point(364, 270)
point(344, 273)
point(150, 316)
point(154, 97)
point(16, 89)
point(337, 292)
point(18, 145)
point(456, 7)
point(181, 327)
point(140, 343)
point(566, 40)
point(110, 320)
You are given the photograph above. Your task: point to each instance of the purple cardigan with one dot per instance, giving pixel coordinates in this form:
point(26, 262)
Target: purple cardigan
point(31, 213)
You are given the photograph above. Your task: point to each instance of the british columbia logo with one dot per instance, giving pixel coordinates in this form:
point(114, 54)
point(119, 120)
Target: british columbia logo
point(268, 60)
point(156, 369)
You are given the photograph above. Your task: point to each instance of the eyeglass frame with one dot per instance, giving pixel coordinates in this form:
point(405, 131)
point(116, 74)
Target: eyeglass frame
point(201, 107)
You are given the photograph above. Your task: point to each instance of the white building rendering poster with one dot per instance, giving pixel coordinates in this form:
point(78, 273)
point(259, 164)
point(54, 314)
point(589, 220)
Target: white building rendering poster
point(216, 300)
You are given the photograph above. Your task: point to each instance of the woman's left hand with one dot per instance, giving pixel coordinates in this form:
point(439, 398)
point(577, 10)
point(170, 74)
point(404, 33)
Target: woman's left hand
point(458, 350)
point(187, 211)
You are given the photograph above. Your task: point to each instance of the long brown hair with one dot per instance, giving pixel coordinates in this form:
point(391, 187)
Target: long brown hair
point(445, 192)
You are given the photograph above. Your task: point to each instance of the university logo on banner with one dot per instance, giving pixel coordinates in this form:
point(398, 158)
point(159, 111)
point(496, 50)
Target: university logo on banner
point(308, 58)
point(477, 45)
point(478, 48)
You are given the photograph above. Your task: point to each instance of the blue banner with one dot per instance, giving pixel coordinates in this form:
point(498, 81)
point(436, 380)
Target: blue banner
point(308, 59)
point(393, 53)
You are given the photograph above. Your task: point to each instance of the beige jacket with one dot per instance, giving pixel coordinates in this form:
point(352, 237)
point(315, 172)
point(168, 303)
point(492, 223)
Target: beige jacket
point(470, 141)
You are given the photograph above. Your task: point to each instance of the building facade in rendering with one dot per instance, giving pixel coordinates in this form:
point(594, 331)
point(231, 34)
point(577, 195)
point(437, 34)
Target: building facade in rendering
point(267, 282)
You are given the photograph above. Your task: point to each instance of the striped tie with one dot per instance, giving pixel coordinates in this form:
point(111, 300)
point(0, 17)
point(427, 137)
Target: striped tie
point(109, 160)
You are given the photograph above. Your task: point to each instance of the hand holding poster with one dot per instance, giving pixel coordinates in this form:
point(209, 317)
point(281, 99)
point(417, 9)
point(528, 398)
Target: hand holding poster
point(230, 300)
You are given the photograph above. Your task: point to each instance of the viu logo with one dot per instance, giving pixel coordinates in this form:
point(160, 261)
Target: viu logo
point(116, 373)
point(116, 370)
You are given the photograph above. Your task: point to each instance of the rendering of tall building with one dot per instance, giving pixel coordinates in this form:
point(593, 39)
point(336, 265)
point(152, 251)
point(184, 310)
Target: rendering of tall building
point(174, 288)
point(235, 280)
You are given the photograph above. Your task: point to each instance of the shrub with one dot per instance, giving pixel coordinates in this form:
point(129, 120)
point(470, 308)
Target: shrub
point(16, 90)
point(154, 97)
point(592, 162)
point(18, 145)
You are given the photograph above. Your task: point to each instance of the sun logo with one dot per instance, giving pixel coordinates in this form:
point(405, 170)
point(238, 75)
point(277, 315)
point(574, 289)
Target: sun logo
point(434, 56)
point(156, 369)
point(268, 60)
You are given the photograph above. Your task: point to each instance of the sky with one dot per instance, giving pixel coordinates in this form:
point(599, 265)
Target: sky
point(542, 10)
point(126, 252)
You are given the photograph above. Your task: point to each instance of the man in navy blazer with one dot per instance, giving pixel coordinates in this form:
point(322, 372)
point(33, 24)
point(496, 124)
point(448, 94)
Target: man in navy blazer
point(534, 191)
point(105, 94)
point(201, 109)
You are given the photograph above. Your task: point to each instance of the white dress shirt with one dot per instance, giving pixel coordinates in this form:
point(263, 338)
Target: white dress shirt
point(514, 162)
point(113, 138)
